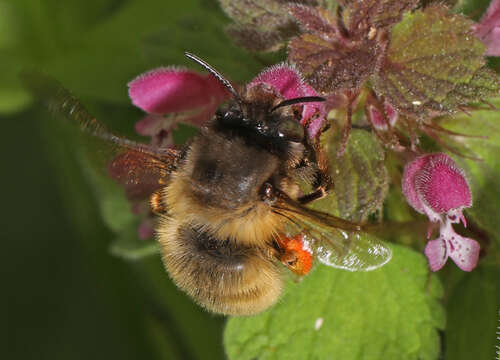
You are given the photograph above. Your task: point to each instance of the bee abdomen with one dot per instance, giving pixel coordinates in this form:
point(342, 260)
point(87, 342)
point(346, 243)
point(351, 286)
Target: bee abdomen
point(220, 275)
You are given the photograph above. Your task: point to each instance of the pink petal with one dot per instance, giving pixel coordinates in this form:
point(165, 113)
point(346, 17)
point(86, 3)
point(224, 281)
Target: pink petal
point(166, 90)
point(436, 253)
point(492, 42)
point(408, 182)
point(376, 118)
point(313, 114)
point(391, 113)
point(379, 120)
point(463, 251)
point(488, 29)
point(145, 230)
point(282, 77)
point(152, 124)
point(441, 185)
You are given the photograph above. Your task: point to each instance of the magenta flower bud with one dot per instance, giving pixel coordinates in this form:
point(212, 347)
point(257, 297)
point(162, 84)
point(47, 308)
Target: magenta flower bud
point(434, 185)
point(287, 82)
point(172, 90)
point(193, 97)
point(378, 120)
point(488, 29)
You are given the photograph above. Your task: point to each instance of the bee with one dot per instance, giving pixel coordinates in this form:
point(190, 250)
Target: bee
point(229, 207)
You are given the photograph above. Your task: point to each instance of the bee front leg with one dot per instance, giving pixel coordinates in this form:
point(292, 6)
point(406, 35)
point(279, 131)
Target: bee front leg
point(322, 185)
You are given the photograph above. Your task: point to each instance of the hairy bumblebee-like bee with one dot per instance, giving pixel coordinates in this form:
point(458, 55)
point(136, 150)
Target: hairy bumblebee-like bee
point(229, 200)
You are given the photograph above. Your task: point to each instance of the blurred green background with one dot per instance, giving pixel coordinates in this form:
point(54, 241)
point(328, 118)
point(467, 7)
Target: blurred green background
point(67, 296)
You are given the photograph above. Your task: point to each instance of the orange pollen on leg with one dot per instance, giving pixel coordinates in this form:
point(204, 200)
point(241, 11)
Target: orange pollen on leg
point(294, 249)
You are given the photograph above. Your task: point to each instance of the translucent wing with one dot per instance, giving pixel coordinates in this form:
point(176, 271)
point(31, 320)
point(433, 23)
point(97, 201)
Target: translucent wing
point(335, 242)
point(139, 168)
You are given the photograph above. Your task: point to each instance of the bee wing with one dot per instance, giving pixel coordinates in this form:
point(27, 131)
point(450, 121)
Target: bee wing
point(334, 241)
point(139, 168)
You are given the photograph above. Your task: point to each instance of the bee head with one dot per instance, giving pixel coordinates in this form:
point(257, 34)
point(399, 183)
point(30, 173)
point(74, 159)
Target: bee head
point(261, 110)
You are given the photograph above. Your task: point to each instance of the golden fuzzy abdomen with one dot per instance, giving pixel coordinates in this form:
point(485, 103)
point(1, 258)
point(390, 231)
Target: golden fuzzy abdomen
point(221, 275)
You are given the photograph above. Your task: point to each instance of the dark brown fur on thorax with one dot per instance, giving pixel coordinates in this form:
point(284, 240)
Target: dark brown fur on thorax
point(227, 172)
point(231, 161)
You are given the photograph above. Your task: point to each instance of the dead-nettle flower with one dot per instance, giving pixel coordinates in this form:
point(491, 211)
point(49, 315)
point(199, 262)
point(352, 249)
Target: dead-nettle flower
point(434, 185)
point(171, 95)
point(488, 29)
point(287, 81)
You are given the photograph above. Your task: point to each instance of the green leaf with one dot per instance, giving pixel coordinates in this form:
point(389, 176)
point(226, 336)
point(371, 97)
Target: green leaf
point(359, 176)
point(390, 313)
point(482, 175)
point(473, 316)
point(434, 64)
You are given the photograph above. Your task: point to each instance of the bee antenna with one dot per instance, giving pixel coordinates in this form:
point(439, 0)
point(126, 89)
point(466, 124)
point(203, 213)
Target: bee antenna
point(299, 100)
point(215, 73)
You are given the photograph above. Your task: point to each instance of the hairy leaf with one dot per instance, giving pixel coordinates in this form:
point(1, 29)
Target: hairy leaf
point(261, 25)
point(332, 58)
point(359, 176)
point(317, 20)
point(390, 313)
point(433, 65)
point(330, 65)
point(377, 14)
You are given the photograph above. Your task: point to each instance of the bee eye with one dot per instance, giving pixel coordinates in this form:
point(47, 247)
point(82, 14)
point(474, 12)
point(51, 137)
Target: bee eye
point(268, 194)
point(291, 130)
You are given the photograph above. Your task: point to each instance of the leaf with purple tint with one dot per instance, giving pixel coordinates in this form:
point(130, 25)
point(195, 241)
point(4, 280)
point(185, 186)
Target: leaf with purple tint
point(260, 25)
point(331, 65)
point(316, 20)
point(434, 64)
point(252, 39)
point(376, 14)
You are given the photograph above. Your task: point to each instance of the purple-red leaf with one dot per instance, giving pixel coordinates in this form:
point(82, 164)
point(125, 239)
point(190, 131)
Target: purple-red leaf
point(331, 65)
point(261, 25)
point(375, 14)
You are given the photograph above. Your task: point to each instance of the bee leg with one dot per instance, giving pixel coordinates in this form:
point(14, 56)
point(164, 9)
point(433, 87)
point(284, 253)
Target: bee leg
point(294, 255)
point(156, 203)
point(317, 194)
point(322, 185)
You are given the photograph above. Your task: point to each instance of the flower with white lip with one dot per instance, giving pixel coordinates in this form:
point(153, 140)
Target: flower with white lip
point(435, 186)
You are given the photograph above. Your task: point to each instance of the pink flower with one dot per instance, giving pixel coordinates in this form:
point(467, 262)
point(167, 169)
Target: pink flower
point(488, 29)
point(433, 185)
point(171, 95)
point(288, 83)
